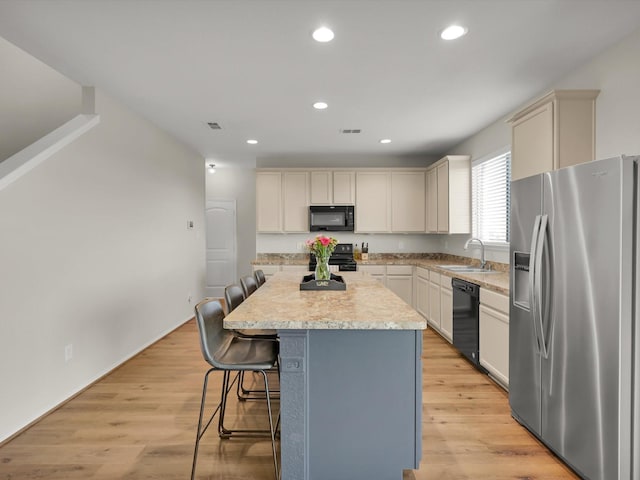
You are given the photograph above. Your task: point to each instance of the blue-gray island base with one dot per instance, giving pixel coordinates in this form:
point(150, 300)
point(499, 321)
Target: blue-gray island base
point(351, 393)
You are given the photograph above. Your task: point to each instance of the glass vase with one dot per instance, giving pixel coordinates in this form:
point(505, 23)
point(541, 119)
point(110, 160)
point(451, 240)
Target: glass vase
point(322, 268)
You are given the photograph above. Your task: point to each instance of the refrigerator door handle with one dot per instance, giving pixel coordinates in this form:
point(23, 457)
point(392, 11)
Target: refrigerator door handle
point(533, 289)
point(538, 309)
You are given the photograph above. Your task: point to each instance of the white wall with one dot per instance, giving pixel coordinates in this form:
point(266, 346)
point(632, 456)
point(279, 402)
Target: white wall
point(94, 252)
point(238, 183)
point(615, 72)
point(35, 99)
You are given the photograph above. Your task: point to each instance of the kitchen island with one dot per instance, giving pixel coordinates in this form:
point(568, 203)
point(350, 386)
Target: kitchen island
point(351, 376)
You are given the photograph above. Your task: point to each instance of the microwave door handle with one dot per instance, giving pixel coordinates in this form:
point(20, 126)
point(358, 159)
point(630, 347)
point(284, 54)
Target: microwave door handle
point(533, 290)
point(542, 235)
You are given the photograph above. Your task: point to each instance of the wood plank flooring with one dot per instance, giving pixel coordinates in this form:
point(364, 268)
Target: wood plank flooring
point(139, 423)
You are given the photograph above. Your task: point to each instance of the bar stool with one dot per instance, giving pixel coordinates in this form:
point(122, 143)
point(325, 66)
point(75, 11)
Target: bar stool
point(249, 285)
point(234, 296)
point(229, 353)
point(260, 278)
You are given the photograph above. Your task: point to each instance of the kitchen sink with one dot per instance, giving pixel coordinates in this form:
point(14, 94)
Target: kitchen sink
point(466, 269)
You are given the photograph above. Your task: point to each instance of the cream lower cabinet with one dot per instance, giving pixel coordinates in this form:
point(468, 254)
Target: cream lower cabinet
point(400, 281)
point(446, 308)
point(268, 270)
point(379, 272)
point(422, 291)
point(494, 335)
point(434, 300)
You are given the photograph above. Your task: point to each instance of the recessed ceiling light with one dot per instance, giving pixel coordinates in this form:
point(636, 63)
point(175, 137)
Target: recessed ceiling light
point(252, 142)
point(320, 105)
point(323, 34)
point(385, 140)
point(452, 32)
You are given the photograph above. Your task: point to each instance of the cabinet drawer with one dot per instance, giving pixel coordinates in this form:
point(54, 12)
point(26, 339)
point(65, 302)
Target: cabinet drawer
point(495, 300)
point(434, 277)
point(422, 273)
point(373, 269)
point(445, 282)
point(399, 270)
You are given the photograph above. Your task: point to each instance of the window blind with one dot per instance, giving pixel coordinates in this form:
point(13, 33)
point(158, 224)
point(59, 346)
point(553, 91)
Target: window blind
point(490, 182)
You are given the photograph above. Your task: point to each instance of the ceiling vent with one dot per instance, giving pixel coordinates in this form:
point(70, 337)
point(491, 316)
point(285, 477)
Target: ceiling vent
point(350, 130)
point(214, 126)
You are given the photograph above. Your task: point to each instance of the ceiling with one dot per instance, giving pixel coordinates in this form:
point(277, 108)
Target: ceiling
point(252, 66)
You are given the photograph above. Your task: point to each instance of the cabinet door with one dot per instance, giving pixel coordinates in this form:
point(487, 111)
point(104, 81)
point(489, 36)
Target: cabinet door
point(376, 271)
point(268, 202)
point(432, 200)
point(344, 188)
point(434, 304)
point(443, 197)
point(296, 201)
point(494, 343)
point(446, 310)
point(321, 188)
point(372, 201)
point(532, 143)
point(401, 285)
point(408, 202)
point(422, 294)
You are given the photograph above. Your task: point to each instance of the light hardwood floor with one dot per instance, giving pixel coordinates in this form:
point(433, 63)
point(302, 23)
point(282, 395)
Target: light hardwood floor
point(139, 423)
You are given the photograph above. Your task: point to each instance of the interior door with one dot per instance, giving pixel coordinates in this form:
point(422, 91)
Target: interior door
point(524, 357)
point(221, 255)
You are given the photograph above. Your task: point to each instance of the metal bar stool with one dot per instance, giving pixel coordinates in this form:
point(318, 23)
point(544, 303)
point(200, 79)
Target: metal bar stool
point(249, 285)
point(234, 296)
point(229, 353)
point(260, 278)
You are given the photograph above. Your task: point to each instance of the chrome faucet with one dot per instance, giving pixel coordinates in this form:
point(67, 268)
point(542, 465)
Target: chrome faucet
point(474, 239)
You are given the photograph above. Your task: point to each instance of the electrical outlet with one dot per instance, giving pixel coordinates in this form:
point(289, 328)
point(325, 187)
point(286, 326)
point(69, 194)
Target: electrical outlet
point(68, 352)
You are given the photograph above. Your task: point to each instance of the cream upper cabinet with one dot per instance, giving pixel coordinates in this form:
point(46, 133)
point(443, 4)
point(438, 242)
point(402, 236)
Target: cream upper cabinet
point(443, 197)
point(295, 201)
point(373, 201)
point(282, 201)
point(494, 335)
point(333, 187)
point(344, 188)
point(408, 201)
point(555, 131)
point(432, 200)
point(321, 187)
point(269, 202)
point(449, 195)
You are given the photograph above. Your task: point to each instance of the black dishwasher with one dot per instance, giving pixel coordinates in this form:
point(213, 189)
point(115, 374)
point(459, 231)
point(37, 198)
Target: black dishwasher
point(466, 319)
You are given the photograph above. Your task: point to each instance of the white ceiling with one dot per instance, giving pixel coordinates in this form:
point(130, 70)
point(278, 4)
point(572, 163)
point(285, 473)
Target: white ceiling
point(252, 66)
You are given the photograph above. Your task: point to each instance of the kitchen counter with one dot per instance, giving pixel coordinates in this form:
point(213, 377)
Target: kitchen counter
point(366, 304)
point(350, 374)
point(497, 282)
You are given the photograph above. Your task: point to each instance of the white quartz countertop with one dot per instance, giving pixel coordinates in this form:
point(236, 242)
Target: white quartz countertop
point(366, 304)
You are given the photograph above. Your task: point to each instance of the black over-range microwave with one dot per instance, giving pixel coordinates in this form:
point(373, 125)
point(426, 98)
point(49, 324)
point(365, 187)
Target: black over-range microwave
point(331, 218)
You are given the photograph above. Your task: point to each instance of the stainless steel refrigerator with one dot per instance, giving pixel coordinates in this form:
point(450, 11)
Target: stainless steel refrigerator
point(574, 333)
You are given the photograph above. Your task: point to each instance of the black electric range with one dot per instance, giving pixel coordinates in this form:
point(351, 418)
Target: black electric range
point(342, 256)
